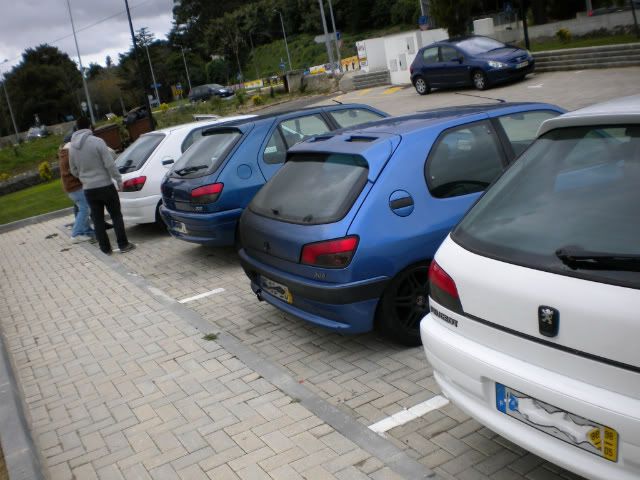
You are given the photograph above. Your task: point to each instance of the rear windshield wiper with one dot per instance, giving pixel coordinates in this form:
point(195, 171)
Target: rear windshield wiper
point(576, 258)
point(195, 168)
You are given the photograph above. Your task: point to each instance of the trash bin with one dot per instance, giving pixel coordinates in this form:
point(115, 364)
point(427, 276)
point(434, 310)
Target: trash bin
point(111, 135)
point(138, 127)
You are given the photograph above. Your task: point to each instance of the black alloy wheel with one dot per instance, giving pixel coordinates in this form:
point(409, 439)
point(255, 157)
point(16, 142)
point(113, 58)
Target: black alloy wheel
point(404, 305)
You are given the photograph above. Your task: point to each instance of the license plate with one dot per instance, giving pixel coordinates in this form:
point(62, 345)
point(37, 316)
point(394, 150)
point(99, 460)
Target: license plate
point(180, 227)
point(276, 289)
point(522, 64)
point(568, 427)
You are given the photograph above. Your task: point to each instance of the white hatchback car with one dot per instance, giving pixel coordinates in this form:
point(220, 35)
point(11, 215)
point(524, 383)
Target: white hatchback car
point(145, 162)
point(534, 328)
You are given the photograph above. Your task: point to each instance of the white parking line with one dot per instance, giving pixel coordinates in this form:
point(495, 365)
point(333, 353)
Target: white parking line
point(405, 416)
point(535, 86)
point(201, 295)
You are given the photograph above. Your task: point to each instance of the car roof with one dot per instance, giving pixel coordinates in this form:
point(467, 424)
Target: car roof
point(618, 111)
point(201, 123)
point(415, 121)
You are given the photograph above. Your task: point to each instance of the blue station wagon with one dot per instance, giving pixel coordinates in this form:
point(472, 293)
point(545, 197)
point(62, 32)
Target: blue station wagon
point(344, 234)
point(474, 60)
point(205, 192)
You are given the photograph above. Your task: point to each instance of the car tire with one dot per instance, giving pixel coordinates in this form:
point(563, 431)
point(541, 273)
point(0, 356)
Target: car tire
point(479, 79)
point(421, 86)
point(404, 303)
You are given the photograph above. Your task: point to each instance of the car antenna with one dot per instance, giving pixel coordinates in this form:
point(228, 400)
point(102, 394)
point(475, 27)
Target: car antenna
point(337, 101)
point(500, 100)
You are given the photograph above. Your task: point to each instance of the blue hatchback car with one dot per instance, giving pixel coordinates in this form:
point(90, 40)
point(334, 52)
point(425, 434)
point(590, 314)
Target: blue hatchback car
point(205, 192)
point(474, 60)
point(343, 235)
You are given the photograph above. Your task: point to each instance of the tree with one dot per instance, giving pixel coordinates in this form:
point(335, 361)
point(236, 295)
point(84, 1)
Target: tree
point(454, 16)
point(46, 82)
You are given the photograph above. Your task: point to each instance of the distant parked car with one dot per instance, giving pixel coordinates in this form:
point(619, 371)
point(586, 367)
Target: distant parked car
point(205, 92)
point(535, 297)
point(342, 236)
point(36, 132)
point(475, 60)
point(205, 192)
point(145, 162)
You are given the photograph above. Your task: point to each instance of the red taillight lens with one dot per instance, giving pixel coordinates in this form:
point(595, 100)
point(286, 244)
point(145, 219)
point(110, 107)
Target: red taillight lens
point(134, 184)
point(331, 253)
point(442, 288)
point(206, 193)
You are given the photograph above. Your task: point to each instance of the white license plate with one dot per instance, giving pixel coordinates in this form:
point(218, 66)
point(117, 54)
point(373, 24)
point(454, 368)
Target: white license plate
point(568, 427)
point(180, 227)
point(276, 289)
point(522, 64)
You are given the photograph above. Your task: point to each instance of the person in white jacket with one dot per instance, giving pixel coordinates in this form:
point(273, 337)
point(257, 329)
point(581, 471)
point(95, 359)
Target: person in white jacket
point(91, 161)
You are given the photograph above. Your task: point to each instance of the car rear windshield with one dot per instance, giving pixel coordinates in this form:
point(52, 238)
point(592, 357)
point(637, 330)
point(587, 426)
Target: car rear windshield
point(312, 189)
point(569, 205)
point(206, 155)
point(475, 45)
point(135, 156)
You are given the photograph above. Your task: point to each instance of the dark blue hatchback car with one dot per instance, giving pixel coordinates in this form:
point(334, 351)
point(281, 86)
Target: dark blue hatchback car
point(204, 193)
point(474, 60)
point(343, 235)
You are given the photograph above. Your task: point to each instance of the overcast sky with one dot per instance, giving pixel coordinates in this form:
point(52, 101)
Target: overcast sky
point(28, 23)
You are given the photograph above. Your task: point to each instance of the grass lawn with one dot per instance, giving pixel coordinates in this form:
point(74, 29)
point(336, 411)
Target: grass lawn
point(556, 44)
point(42, 198)
point(28, 155)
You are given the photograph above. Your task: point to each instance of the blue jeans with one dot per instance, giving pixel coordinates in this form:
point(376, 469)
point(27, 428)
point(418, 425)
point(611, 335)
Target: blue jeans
point(82, 224)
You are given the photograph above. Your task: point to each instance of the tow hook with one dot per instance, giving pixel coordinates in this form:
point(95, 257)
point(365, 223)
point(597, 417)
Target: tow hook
point(259, 295)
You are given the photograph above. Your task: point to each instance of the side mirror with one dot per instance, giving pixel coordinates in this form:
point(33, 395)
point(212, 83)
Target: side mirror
point(167, 161)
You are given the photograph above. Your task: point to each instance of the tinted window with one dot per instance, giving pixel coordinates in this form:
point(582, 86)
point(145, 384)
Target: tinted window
point(465, 160)
point(135, 156)
point(312, 188)
point(575, 188)
point(276, 150)
point(521, 128)
point(354, 116)
point(430, 55)
point(447, 54)
point(297, 129)
point(191, 138)
point(206, 155)
point(475, 45)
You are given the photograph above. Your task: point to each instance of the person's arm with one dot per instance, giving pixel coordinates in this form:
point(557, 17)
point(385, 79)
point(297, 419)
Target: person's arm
point(73, 168)
point(109, 163)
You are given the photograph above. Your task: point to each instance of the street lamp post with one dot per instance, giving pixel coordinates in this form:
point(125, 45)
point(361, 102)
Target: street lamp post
point(284, 34)
point(327, 42)
point(84, 80)
point(6, 94)
point(335, 34)
point(153, 76)
point(186, 69)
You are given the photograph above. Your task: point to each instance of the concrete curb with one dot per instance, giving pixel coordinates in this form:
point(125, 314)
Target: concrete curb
point(20, 453)
point(8, 227)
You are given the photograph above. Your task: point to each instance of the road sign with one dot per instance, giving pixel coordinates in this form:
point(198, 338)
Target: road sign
point(322, 38)
point(282, 65)
point(156, 85)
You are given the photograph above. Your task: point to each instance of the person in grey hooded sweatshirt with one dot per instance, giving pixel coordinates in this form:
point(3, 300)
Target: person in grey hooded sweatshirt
point(91, 161)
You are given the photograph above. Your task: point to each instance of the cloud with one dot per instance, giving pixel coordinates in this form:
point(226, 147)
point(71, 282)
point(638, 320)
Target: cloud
point(101, 25)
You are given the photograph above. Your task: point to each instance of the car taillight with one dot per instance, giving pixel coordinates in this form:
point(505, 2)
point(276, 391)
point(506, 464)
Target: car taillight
point(330, 253)
point(206, 193)
point(134, 184)
point(442, 288)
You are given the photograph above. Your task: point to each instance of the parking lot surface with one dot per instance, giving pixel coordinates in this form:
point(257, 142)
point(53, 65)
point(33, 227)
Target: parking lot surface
point(161, 363)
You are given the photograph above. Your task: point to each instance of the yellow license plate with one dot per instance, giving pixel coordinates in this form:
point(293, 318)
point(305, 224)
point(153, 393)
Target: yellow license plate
point(276, 289)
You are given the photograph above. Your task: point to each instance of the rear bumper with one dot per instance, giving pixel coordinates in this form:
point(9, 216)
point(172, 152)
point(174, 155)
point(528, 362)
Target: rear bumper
point(212, 229)
point(140, 209)
point(348, 307)
point(467, 372)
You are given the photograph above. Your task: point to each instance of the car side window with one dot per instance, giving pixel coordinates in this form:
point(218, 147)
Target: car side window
point(521, 128)
point(276, 149)
point(448, 54)
point(464, 160)
point(348, 117)
point(298, 129)
point(191, 138)
point(430, 55)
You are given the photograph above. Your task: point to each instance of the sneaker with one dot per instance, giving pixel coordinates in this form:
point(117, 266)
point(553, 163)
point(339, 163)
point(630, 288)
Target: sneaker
point(80, 238)
point(127, 248)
